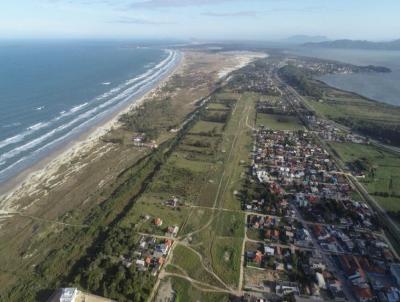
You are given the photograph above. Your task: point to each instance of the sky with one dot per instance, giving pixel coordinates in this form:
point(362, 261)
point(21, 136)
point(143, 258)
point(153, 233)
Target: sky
point(199, 19)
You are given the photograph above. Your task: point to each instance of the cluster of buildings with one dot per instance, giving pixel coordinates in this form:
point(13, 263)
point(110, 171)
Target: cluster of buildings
point(329, 132)
point(297, 271)
point(254, 78)
point(273, 105)
point(140, 140)
point(321, 67)
point(311, 231)
point(370, 279)
point(150, 254)
point(273, 229)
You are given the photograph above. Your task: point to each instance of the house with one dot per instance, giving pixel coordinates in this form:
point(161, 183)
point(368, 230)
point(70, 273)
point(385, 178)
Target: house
point(363, 293)
point(173, 230)
point(140, 263)
point(68, 294)
point(162, 248)
point(259, 257)
point(320, 280)
point(158, 222)
point(269, 250)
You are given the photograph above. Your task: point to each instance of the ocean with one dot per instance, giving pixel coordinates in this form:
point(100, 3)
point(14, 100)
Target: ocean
point(52, 92)
point(384, 87)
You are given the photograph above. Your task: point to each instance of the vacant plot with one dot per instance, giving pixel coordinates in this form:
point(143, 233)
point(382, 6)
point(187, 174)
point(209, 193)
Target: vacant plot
point(207, 128)
point(198, 217)
point(229, 224)
point(180, 177)
point(226, 255)
point(188, 261)
point(278, 121)
point(382, 177)
point(338, 105)
point(217, 106)
point(185, 291)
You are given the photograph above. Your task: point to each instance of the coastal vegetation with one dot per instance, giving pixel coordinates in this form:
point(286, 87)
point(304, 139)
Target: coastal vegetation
point(380, 169)
point(81, 241)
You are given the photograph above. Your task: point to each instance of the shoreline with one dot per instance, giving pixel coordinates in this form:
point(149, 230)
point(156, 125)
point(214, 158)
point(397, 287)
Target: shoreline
point(35, 174)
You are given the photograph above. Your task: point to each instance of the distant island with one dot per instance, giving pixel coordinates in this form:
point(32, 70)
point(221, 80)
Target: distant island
point(301, 39)
point(356, 44)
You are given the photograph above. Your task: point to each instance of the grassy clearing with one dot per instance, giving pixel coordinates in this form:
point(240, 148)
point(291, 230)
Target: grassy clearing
point(226, 95)
point(385, 177)
point(237, 141)
point(207, 128)
point(217, 106)
point(186, 292)
point(180, 177)
point(229, 224)
point(278, 122)
point(198, 217)
point(226, 255)
point(187, 260)
point(336, 106)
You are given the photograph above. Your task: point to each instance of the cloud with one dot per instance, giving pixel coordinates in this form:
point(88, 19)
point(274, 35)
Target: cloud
point(139, 21)
point(174, 3)
point(232, 14)
point(253, 13)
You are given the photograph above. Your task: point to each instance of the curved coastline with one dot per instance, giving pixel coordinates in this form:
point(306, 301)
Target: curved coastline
point(87, 136)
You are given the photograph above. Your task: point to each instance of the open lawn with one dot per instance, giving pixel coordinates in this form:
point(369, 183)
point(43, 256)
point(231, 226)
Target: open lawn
point(186, 292)
point(383, 179)
point(226, 255)
point(217, 106)
point(278, 121)
point(207, 128)
point(189, 262)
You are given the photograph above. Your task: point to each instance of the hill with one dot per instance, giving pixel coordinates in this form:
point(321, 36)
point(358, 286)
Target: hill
point(357, 44)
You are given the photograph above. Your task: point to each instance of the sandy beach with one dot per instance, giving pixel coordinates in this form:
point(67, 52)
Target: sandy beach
point(27, 182)
point(46, 173)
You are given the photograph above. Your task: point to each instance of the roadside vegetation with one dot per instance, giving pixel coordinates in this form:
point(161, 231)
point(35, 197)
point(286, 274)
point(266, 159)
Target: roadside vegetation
point(380, 170)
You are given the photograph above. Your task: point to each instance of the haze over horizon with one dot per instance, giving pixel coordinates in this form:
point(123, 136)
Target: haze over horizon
point(199, 19)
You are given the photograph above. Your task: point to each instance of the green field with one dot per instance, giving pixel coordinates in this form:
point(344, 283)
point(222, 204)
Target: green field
point(278, 122)
point(385, 177)
point(186, 292)
point(215, 228)
point(217, 106)
point(203, 127)
point(190, 263)
point(226, 254)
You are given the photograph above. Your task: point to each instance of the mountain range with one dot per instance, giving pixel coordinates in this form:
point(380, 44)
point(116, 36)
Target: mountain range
point(356, 44)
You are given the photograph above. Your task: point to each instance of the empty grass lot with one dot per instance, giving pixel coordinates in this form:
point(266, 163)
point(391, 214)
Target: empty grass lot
point(278, 121)
point(387, 171)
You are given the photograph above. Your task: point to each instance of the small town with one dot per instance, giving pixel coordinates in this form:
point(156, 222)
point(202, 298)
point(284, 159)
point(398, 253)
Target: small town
point(309, 233)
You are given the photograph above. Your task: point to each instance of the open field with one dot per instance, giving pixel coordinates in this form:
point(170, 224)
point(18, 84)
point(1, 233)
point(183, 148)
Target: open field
point(279, 122)
point(205, 128)
point(383, 178)
point(185, 291)
point(214, 228)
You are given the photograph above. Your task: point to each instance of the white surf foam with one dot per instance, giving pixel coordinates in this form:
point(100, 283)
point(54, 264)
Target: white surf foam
point(93, 113)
